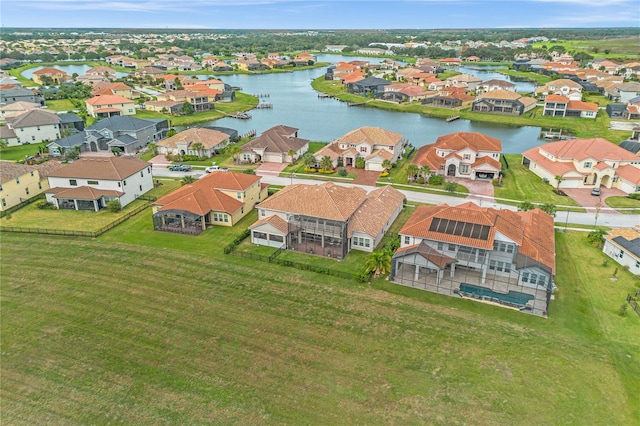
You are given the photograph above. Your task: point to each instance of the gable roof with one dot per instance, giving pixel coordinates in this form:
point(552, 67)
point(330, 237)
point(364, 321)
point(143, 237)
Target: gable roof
point(108, 100)
point(501, 94)
point(374, 213)
point(532, 230)
point(327, 200)
point(580, 149)
point(427, 252)
point(275, 221)
point(34, 117)
point(10, 170)
point(105, 168)
point(123, 123)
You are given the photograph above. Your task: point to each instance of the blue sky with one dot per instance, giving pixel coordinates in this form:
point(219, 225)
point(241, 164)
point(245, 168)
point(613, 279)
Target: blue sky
point(311, 14)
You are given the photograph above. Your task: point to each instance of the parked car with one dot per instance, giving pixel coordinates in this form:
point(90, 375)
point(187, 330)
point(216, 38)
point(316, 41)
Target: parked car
point(216, 169)
point(180, 168)
point(596, 192)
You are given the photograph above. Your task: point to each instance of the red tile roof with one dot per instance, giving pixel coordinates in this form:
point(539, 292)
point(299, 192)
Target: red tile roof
point(474, 140)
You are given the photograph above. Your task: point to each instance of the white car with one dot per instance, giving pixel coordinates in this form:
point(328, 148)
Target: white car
point(215, 169)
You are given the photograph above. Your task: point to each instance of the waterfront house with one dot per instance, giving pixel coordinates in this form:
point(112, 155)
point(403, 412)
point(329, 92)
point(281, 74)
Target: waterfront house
point(194, 141)
point(503, 102)
point(562, 106)
point(275, 145)
point(50, 76)
point(369, 85)
point(562, 87)
point(109, 106)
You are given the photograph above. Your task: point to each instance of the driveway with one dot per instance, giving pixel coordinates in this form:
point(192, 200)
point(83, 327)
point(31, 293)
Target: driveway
point(271, 168)
point(475, 187)
point(364, 177)
point(583, 196)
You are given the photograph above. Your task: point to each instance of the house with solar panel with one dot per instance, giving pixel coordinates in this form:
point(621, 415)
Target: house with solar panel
point(623, 246)
point(466, 251)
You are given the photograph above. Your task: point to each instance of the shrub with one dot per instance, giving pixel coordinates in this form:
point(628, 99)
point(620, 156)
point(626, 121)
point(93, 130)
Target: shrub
point(384, 174)
point(342, 172)
point(635, 196)
point(420, 180)
point(451, 186)
point(436, 180)
point(360, 163)
point(113, 206)
point(310, 170)
point(42, 204)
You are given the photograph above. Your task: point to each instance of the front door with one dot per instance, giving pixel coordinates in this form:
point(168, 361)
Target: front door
point(451, 170)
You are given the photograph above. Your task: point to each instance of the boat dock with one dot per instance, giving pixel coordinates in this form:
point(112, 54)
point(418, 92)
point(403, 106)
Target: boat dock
point(264, 106)
point(452, 118)
point(241, 115)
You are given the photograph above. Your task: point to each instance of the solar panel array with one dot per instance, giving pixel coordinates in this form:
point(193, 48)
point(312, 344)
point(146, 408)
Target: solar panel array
point(460, 229)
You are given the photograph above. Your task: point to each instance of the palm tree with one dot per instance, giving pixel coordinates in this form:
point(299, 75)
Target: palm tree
point(386, 164)
point(326, 164)
point(3, 144)
point(234, 150)
point(559, 179)
point(198, 147)
point(291, 153)
point(186, 180)
point(426, 173)
point(412, 172)
point(308, 159)
point(378, 262)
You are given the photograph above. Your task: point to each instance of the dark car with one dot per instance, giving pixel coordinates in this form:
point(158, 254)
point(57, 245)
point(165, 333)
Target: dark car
point(180, 168)
point(596, 192)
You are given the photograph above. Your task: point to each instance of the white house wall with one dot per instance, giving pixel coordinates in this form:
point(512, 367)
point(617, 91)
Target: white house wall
point(622, 256)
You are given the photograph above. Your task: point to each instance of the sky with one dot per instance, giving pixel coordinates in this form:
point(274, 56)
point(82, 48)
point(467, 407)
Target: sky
point(313, 14)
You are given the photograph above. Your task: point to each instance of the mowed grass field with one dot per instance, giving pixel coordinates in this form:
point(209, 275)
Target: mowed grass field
point(171, 331)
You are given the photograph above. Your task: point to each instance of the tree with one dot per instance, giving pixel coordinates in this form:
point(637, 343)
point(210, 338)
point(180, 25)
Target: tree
point(596, 238)
point(378, 262)
point(178, 84)
point(326, 164)
point(186, 180)
point(292, 153)
point(426, 173)
point(187, 109)
point(559, 179)
point(3, 144)
point(198, 147)
point(549, 208)
point(526, 206)
point(113, 206)
point(153, 148)
point(450, 186)
point(171, 132)
point(234, 150)
point(308, 159)
point(360, 163)
point(412, 172)
point(386, 164)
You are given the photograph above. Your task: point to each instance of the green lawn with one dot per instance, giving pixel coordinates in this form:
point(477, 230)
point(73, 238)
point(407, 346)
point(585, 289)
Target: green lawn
point(32, 217)
point(169, 330)
point(523, 185)
point(60, 105)
point(16, 153)
point(624, 203)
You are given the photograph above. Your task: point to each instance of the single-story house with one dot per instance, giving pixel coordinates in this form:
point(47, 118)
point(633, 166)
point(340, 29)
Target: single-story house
point(219, 198)
point(623, 246)
point(194, 141)
point(275, 145)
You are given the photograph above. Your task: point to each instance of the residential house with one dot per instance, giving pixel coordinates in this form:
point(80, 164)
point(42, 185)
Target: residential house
point(19, 94)
point(632, 109)
point(498, 256)
point(327, 219)
point(605, 65)
point(275, 145)
point(50, 76)
point(450, 62)
point(470, 155)
point(199, 102)
point(194, 141)
point(117, 89)
point(89, 183)
point(624, 92)
point(404, 92)
point(369, 85)
point(373, 144)
point(623, 246)
point(562, 87)
point(109, 106)
point(562, 106)
point(17, 108)
point(33, 126)
point(304, 58)
point(466, 81)
point(164, 107)
point(503, 102)
point(219, 198)
point(124, 134)
point(449, 99)
point(18, 183)
point(335, 47)
point(152, 71)
point(107, 72)
point(585, 163)
point(221, 66)
point(496, 84)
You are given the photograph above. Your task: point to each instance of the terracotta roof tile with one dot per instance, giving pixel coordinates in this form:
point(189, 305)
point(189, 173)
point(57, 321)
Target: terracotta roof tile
point(275, 221)
point(209, 138)
point(374, 213)
point(372, 135)
point(106, 168)
point(474, 140)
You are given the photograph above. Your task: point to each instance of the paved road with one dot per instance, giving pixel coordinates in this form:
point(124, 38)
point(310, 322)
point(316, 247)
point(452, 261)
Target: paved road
point(604, 218)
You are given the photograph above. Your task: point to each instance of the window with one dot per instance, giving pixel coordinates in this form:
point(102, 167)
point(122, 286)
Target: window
point(587, 164)
point(407, 239)
point(141, 188)
point(119, 185)
point(92, 182)
point(33, 138)
point(467, 156)
point(124, 182)
point(363, 149)
point(39, 186)
point(26, 190)
point(361, 242)
point(464, 169)
point(141, 174)
point(4, 203)
point(259, 235)
point(31, 172)
point(262, 213)
point(226, 218)
point(73, 182)
point(17, 180)
point(637, 263)
point(502, 247)
point(239, 195)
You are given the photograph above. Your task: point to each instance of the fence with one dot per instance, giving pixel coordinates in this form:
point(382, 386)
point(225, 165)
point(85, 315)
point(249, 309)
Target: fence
point(20, 205)
point(633, 301)
point(73, 232)
point(273, 258)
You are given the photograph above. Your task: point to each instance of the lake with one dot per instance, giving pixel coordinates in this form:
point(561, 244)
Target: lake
point(296, 104)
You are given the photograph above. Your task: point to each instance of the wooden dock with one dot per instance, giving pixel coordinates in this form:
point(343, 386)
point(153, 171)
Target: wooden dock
point(264, 106)
point(241, 115)
point(452, 118)
point(355, 103)
point(324, 96)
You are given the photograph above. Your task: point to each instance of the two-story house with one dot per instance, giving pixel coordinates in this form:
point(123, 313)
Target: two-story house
point(89, 183)
point(469, 155)
point(279, 144)
point(109, 106)
point(562, 106)
point(562, 87)
point(33, 126)
point(50, 76)
point(503, 102)
point(199, 101)
point(623, 246)
point(19, 94)
point(18, 183)
point(373, 144)
point(219, 198)
point(498, 256)
point(326, 220)
point(585, 163)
